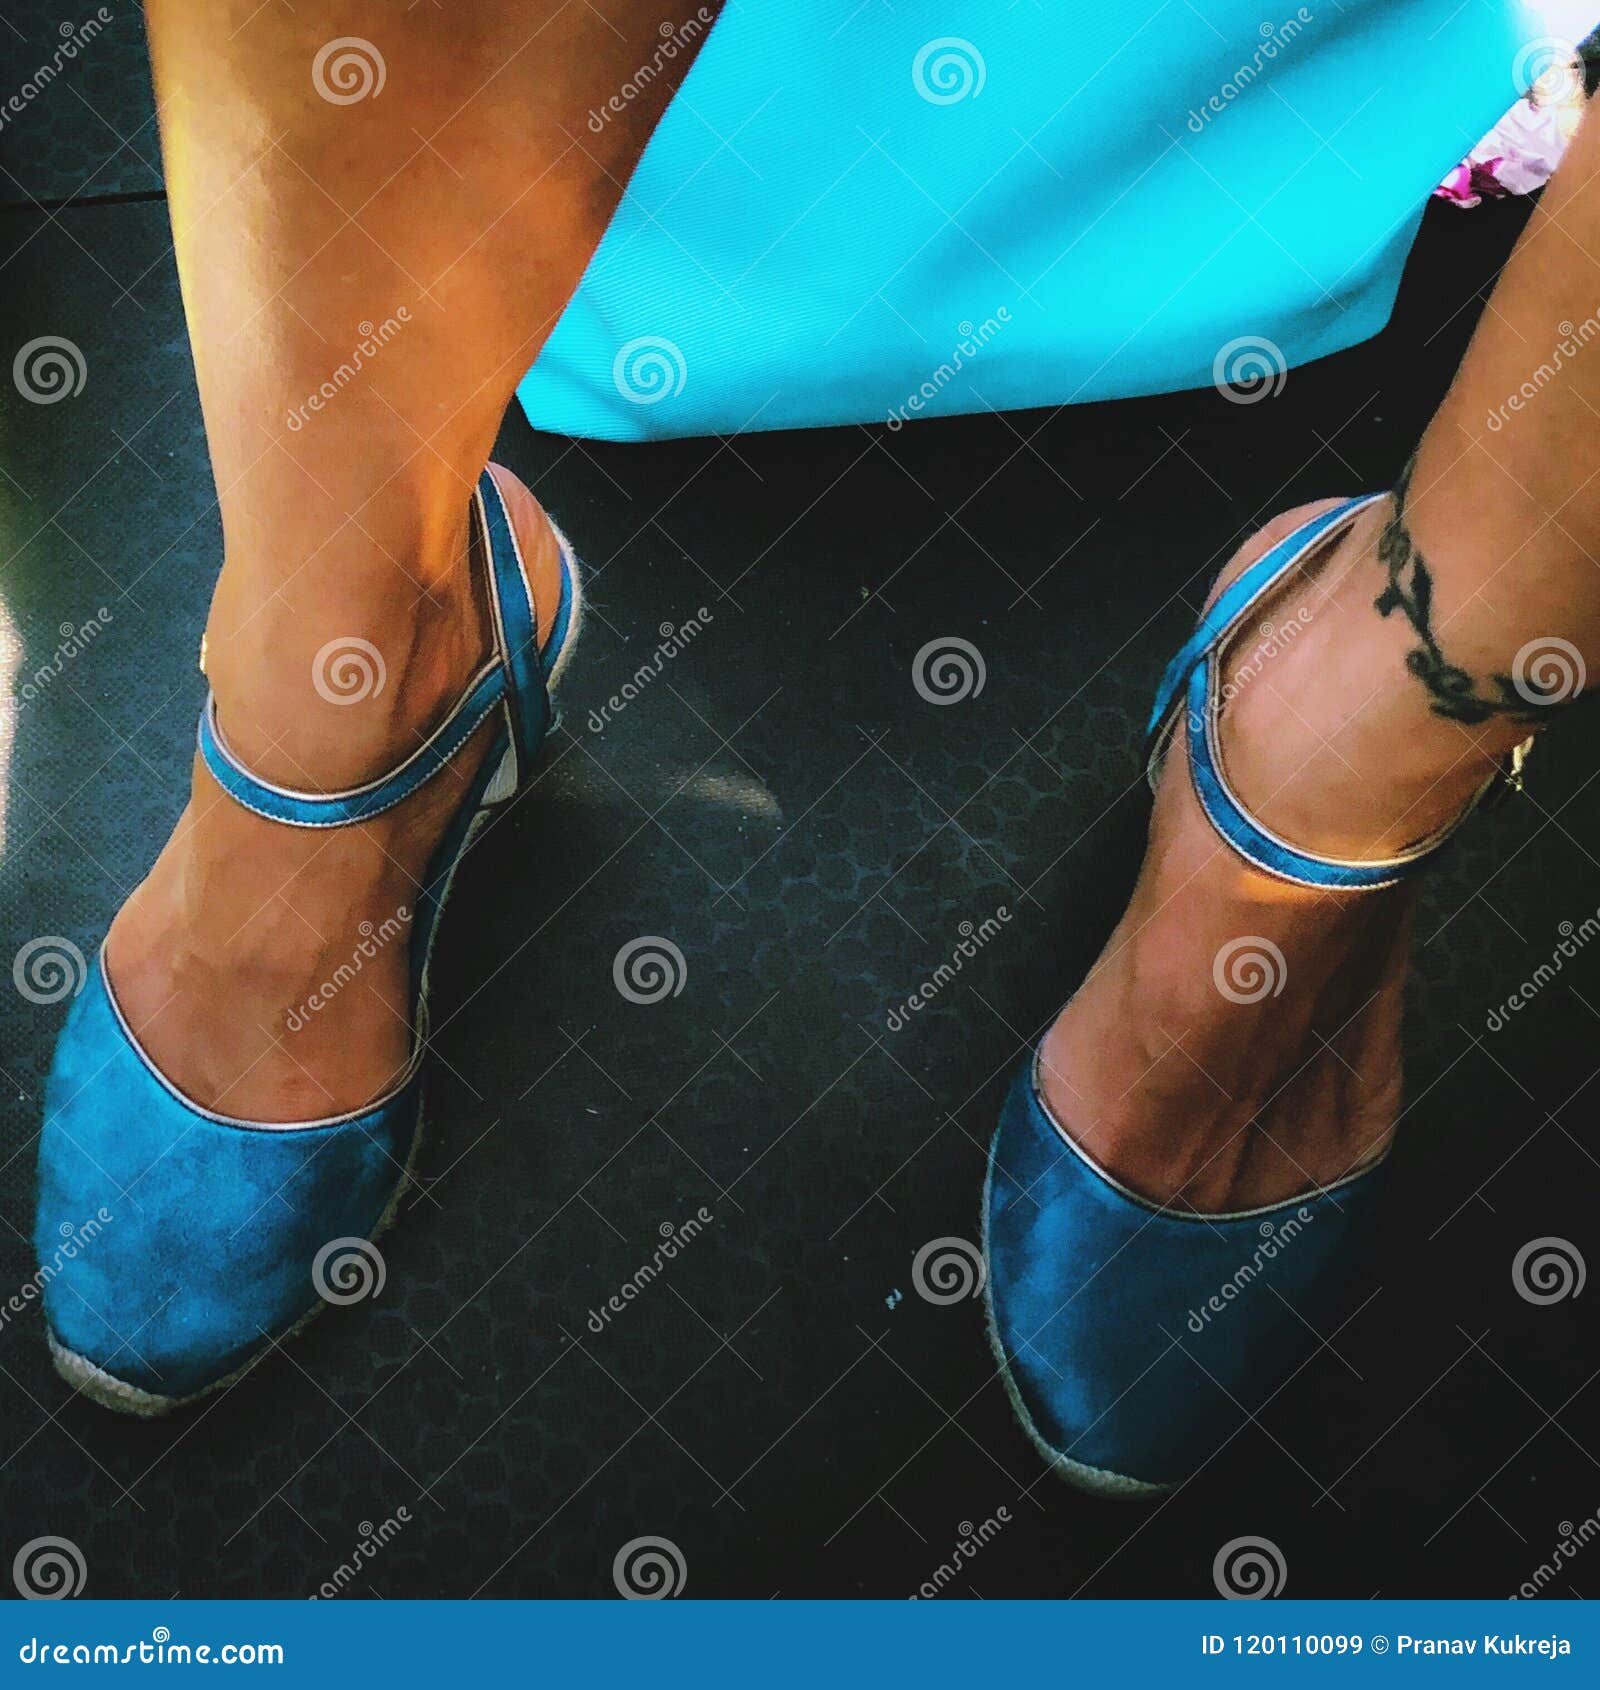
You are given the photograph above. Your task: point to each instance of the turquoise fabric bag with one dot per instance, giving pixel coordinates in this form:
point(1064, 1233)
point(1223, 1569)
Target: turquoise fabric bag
point(878, 215)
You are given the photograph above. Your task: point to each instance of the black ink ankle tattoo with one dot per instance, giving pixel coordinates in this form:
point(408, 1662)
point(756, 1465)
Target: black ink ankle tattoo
point(1452, 692)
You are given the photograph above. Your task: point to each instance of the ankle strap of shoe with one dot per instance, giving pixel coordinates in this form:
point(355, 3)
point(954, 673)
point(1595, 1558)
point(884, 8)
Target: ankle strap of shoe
point(1193, 681)
point(513, 679)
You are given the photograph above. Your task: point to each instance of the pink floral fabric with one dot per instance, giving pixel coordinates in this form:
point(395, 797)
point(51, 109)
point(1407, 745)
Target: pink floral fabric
point(1523, 149)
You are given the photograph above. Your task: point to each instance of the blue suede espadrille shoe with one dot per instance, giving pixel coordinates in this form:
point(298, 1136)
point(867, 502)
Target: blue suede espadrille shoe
point(225, 1235)
point(1134, 1338)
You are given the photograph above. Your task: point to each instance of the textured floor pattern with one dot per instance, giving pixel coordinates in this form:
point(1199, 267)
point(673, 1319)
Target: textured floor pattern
point(781, 804)
point(86, 124)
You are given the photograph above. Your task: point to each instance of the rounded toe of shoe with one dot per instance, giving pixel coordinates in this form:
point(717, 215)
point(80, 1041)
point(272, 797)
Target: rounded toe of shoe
point(134, 1339)
point(1061, 1359)
point(174, 1247)
point(1098, 1466)
point(91, 1379)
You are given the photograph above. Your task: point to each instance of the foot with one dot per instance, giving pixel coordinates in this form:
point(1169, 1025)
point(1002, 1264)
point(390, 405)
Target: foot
point(1238, 1040)
point(264, 968)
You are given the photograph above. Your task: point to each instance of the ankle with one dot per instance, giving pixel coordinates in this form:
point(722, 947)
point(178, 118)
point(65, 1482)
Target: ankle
point(324, 692)
point(1328, 737)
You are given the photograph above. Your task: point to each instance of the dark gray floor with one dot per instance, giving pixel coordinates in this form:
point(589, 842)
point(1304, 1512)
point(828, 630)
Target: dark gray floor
point(785, 808)
point(86, 127)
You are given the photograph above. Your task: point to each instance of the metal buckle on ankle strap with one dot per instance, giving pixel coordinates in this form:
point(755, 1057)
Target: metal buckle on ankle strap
point(1508, 780)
